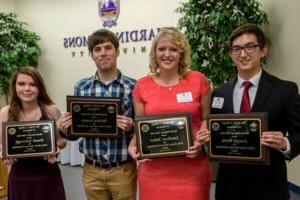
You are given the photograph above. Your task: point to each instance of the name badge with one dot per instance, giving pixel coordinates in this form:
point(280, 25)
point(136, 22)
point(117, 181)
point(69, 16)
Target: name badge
point(184, 97)
point(217, 102)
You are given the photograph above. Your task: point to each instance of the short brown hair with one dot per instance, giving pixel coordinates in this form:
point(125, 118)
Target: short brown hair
point(100, 36)
point(249, 28)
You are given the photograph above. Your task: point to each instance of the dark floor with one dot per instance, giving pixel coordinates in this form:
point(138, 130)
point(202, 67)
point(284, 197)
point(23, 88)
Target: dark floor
point(74, 189)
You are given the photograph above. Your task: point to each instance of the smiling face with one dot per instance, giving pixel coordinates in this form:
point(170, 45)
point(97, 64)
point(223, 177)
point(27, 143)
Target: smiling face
point(167, 55)
point(105, 56)
point(248, 64)
point(26, 89)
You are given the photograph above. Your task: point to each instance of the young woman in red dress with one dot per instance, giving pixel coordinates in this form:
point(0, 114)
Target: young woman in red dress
point(161, 92)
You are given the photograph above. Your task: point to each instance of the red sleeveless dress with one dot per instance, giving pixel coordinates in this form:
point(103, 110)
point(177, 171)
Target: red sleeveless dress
point(174, 177)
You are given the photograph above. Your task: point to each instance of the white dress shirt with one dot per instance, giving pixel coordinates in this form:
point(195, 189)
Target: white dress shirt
point(239, 89)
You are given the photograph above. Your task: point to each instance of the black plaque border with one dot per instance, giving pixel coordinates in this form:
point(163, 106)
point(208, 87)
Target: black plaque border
point(81, 99)
point(9, 124)
point(149, 118)
point(262, 117)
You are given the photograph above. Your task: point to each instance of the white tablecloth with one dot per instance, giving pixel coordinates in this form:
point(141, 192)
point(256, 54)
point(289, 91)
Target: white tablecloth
point(70, 154)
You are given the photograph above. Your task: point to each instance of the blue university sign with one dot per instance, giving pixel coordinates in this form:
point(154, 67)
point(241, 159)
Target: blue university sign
point(109, 12)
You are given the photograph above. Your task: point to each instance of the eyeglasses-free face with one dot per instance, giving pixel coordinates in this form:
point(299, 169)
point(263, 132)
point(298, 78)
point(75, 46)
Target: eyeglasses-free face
point(167, 55)
point(26, 89)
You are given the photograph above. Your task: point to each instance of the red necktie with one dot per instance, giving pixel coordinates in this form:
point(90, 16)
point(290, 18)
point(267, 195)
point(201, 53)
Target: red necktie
point(245, 104)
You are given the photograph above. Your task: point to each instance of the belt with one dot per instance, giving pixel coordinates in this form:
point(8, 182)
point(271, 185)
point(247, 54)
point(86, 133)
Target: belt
point(97, 163)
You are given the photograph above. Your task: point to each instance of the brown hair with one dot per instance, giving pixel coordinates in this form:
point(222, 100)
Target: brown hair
point(246, 29)
point(15, 104)
point(178, 38)
point(100, 36)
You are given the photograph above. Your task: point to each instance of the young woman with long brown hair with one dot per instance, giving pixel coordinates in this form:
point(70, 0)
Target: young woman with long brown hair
point(39, 177)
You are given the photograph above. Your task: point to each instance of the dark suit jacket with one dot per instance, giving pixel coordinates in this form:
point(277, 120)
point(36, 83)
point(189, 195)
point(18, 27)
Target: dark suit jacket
point(281, 100)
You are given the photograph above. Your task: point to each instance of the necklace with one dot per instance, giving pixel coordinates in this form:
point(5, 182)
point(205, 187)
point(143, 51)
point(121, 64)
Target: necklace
point(170, 84)
point(30, 116)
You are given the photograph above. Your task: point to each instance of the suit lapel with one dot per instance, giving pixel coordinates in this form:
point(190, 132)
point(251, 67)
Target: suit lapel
point(263, 92)
point(229, 96)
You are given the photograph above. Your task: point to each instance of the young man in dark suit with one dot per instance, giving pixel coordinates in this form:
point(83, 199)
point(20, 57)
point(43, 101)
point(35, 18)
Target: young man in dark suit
point(266, 93)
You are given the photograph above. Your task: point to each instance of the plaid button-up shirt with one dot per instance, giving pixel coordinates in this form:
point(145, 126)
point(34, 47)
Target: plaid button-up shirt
point(107, 150)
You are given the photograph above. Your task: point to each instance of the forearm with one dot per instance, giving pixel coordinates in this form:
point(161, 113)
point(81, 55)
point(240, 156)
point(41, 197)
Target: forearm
point(133, 140)
point(203, 124)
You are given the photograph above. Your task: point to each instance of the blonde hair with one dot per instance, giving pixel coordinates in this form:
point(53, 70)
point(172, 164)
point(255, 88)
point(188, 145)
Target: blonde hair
point(175, 36)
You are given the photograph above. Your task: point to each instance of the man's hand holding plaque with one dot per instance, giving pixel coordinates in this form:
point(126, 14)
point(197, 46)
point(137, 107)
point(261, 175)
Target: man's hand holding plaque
point(94, 117)
point(275, 140)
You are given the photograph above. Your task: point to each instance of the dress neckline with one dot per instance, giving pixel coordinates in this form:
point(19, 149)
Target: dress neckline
point(165, 87)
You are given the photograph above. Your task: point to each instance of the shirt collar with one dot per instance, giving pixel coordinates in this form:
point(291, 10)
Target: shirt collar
point(119, 78)
point(254, 80)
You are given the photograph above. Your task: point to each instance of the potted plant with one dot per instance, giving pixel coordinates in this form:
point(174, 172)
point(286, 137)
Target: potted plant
point(208, 24)
point(18, 47)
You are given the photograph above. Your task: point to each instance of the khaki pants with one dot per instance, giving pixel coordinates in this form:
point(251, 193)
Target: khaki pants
point(118, 183)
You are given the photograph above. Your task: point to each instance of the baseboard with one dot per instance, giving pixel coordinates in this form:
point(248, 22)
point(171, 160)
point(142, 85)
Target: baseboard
point(294, 188)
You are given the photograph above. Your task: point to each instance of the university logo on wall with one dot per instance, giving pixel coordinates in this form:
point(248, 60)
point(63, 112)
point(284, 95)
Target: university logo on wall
point(109, 12)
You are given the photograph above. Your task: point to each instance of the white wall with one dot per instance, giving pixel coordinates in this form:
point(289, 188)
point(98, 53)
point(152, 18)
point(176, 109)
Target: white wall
point(284, 58)
point(7, 5)
point(55, 20)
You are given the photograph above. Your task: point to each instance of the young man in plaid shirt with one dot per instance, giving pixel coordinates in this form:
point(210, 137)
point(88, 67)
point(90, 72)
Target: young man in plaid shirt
point(109, 172)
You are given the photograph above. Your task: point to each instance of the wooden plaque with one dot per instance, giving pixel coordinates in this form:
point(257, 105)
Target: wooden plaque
point(163, 135)
point(94, 116)
point(237, 138)
point(28, 139)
